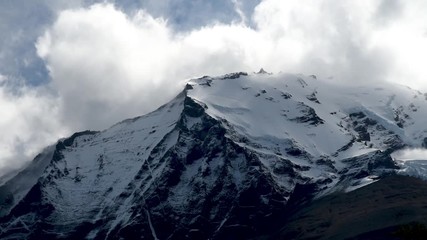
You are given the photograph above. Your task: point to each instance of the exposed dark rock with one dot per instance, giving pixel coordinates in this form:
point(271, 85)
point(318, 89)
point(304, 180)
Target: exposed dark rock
point(358, 115)
point(286, 95)
point(345, 147)
point(69, 141)
point(424, 143)
point(309, 116)
point(302, 82)
point(196, 152)
point(399, 117)
point(234, 75)
point(364, 135)
point(312, 97)
point(188, 87)
point(294, 151)
point(192, 109)
point(262, 71)
point(326, 162)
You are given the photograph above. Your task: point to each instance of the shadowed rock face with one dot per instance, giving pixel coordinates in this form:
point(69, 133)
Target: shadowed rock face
point(424, 144)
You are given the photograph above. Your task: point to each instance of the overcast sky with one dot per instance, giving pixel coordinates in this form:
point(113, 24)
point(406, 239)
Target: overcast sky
point(71, 65)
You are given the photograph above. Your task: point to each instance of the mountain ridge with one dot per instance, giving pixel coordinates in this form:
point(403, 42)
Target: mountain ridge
point(221, 160)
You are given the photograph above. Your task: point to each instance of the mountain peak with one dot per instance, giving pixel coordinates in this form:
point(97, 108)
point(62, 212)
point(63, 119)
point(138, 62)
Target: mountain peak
point(262, 71)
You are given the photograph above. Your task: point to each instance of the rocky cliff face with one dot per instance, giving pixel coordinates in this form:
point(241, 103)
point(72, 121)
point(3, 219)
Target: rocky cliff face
point(230, 157)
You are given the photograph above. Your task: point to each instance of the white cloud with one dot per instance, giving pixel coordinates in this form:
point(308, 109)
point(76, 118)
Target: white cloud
point(410, 154)
point(412, 162)
point(107, 65)
point(342, 39)
point(238, 8)
point(28, 123)
point(2, 79)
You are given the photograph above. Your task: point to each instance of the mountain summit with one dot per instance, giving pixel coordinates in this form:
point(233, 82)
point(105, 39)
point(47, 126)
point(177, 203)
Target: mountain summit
point(231, 157)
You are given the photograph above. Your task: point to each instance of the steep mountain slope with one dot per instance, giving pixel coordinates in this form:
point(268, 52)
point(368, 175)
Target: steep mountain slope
point(227, 158)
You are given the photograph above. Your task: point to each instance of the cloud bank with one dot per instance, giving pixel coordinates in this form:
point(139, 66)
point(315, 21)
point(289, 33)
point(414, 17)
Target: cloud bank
point(29, 122)
point(107, 63)
point(411, 154)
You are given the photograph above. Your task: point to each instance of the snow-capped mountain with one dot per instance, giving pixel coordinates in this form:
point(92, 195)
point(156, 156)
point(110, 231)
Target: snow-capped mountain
point(228, 158)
